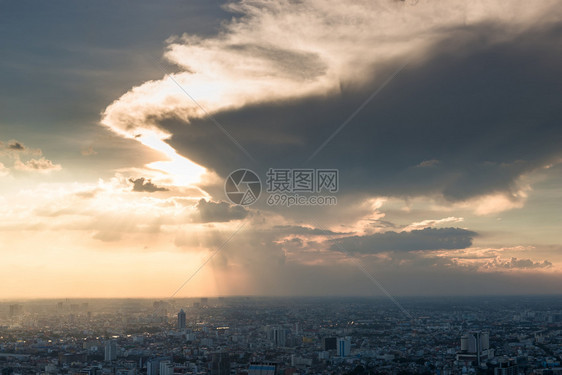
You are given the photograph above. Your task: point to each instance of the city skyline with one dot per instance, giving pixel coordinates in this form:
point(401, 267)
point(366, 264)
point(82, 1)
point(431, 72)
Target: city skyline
point(121, 127)
point(276, 336)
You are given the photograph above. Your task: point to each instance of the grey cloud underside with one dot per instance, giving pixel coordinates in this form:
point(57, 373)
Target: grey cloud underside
point(515, 263)
point(16, 146)
point(142, 185)
point(487, 112)
point(265, 261)
point(300, 230)
point(425, 239)
point(210, 211)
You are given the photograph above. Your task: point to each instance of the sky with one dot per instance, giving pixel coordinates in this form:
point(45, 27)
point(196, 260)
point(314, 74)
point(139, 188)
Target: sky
point(120, 124)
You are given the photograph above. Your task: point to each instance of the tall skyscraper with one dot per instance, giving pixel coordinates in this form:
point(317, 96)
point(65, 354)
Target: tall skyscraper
point(16, 310)
point(181, 319)
point(153, 365)
point(166, 367)
point(330, 343)
point(278, 335)
point(475, 346)
point(344, 347)
point(110, 351)
point(220, 364)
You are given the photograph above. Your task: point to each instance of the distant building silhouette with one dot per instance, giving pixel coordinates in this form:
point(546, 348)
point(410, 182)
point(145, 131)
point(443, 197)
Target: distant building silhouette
point(330, 343)
point(220, 364)
point(110, 351)
point(166, 367)
point(181, 319)
point(153, 365)
point(15, 310)
point(278, 335)
point(506, 367)
point(475, 347)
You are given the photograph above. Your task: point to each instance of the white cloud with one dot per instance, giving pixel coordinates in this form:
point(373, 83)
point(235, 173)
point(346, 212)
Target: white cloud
point(495, 203)
point(3, 170)
point(492, 259)
point(432, 222)
point(14, 150)
point(41, 165)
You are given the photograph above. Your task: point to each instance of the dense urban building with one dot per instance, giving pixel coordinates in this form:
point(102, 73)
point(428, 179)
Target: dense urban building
point(283, 336)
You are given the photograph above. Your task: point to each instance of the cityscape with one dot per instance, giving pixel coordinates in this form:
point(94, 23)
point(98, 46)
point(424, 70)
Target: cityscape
point(290, 336)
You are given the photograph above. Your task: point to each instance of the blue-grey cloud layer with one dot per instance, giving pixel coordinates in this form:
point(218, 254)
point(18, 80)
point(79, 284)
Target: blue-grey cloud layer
point(425, 239)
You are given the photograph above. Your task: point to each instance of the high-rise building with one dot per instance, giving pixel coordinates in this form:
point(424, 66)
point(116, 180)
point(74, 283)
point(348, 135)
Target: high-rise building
point(330, 343)
point(153, 365)
point(278, 335)
point(220, 364)
point(166, 367)
point(475, 347)
point(343, 346)
point(506, 367)
point(181, 319)
point(110, 351)
point(16, 310)
point(262, 368)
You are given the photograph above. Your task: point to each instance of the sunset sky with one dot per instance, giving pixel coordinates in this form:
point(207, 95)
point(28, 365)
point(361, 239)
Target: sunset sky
point(120, 121)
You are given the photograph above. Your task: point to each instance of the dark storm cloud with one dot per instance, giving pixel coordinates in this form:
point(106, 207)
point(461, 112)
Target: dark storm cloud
point(219, 211)
point(16, 146)
point(425, 239)
point(469, 121)
point(300, 230)
point(264, 260)
point(145, 185)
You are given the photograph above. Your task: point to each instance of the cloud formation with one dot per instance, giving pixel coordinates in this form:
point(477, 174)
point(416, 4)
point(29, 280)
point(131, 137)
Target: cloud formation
point(143, 185)
point(515, 263)
point(39, 165)
point(209, 211)
point(459, 126)
point(15, 151)
point(14, 145)
point(467, 116)
point(3, 170)
point(424, 239)
point(280, 75)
